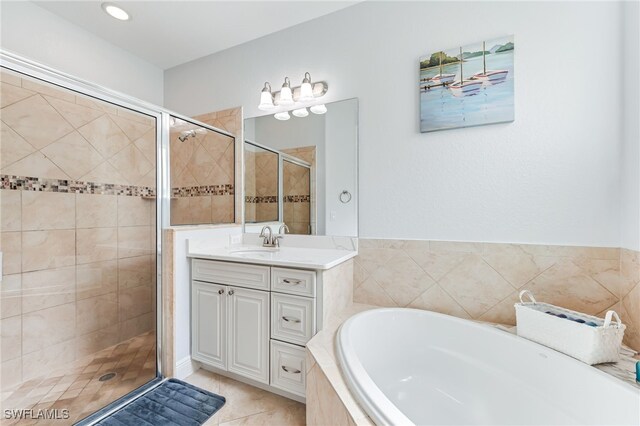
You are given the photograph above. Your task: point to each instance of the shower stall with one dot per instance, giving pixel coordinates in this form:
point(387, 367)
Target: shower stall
point(85, 192)
point(278, 188)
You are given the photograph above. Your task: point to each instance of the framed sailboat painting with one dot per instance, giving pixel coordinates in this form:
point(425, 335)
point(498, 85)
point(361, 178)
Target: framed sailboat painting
point(467, 86)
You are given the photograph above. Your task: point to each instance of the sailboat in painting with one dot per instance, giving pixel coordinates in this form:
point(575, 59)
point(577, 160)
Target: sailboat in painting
point(490, 77)
point(442, 78)
point(464, 87)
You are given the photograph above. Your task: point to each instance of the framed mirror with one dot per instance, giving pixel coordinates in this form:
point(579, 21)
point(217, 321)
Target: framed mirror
point(303, 172)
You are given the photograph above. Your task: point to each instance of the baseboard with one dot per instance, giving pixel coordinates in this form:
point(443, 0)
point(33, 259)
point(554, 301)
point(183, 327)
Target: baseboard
point(186, 367)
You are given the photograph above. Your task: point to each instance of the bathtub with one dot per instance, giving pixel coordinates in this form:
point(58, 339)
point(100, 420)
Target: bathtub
point(408, 366)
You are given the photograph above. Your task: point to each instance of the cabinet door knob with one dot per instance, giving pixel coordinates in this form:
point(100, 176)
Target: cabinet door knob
point(221, 291)
point(291, 370)
point(289, 319)
point(231, 292)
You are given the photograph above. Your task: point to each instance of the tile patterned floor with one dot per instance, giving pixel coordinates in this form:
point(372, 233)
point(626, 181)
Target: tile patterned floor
point(247, 405)
point(76, 386)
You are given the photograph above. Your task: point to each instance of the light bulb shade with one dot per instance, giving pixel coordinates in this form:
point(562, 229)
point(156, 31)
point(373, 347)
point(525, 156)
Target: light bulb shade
point(306, 90)
point(302, 112)
point(282, 116)
point(286, 96)
point(318, 109)
point(266, 101)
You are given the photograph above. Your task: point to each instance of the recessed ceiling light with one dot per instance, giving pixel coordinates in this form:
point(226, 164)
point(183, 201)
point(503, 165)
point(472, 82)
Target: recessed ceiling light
point(115, 11)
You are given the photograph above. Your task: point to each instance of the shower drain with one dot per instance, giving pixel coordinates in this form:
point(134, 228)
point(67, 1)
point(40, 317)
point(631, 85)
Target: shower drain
point(106, 377)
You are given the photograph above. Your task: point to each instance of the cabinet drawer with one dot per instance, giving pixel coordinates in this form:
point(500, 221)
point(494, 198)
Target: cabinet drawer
point(293, 318)
point(288, 369)
point(293, 281)
point(241, 275)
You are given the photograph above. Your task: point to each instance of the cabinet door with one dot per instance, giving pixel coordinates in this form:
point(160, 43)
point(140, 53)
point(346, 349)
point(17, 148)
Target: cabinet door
point(209, 324)
point(249, 333)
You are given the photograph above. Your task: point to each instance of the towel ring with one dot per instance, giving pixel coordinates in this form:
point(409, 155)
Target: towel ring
point(345, 197)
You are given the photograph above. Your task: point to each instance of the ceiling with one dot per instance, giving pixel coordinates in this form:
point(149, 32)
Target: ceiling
point(170, 33)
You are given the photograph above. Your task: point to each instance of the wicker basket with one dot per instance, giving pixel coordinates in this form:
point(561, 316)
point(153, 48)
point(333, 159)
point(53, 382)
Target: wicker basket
point(593, 344)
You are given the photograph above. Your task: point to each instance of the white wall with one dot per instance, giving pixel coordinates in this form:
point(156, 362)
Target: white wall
point(631, 128)
point(552, 176)
point(39, 35)
point(341, 130)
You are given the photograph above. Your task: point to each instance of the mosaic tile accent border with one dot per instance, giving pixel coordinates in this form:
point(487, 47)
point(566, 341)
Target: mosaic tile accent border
point(297, 199)
point(274, 199)
point(28, 183)
point(197, 191)
point(261, 199)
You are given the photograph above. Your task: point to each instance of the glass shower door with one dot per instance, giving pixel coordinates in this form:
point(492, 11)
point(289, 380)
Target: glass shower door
point(78, 222)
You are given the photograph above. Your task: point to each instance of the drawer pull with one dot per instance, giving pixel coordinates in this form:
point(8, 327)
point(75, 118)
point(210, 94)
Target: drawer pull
point(291, 281)
point(291, 370)
point(289, 319)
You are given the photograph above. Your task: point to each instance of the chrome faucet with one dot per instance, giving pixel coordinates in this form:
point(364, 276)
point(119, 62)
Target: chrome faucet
point(268, 237)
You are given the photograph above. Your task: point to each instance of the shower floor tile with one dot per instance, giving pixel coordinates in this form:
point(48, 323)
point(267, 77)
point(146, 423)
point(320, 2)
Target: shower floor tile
point(77, 388)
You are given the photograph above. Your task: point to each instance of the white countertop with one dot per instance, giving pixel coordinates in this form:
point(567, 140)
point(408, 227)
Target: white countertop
point(294, 257)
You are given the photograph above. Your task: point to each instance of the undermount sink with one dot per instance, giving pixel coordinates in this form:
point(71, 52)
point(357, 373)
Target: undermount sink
point(254, 252)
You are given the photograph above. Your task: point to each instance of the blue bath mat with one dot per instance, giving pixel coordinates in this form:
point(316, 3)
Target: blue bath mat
point(174, 402)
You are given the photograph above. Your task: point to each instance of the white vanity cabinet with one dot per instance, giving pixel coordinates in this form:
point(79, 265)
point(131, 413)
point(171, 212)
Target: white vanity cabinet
point(230, 323)
point(253, 321)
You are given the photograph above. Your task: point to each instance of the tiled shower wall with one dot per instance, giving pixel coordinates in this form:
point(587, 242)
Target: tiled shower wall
point(482, 280)
point(297, 198)
point(205, 162)
point(261, 186)
point(299, 212)
point(78, 230)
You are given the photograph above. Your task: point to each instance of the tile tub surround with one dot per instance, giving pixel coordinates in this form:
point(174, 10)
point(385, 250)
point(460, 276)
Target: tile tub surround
point(77, 234)
point(329, 401)
point(630, 295)
point(203, 172)
point(481, 281)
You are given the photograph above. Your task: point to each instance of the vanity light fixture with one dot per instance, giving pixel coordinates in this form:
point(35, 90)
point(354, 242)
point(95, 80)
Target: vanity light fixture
point(286, 95)
point(302, 112)
point(266, 98)
point(306, 91)
point(282, 116)
point(115, 11)
point(318, 109)
point(295, 100)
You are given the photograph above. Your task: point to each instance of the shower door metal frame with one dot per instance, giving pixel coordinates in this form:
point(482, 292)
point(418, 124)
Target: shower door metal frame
point(38, 71)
